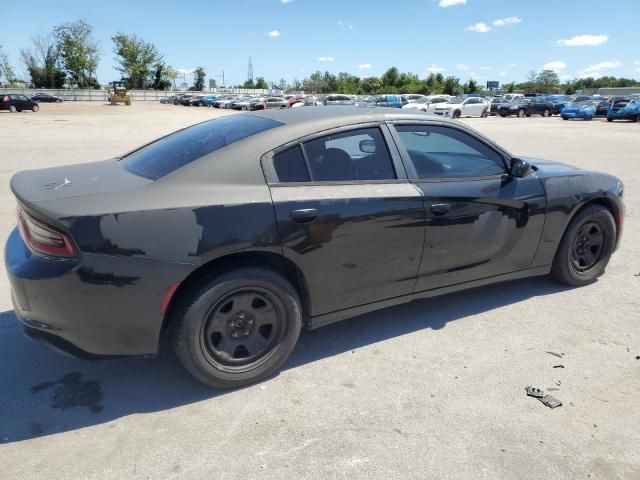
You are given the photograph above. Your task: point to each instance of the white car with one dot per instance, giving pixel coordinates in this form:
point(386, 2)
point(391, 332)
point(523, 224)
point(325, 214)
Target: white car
point(427, 104)
point(414, 97)
point(510, 97)
point(463, 107)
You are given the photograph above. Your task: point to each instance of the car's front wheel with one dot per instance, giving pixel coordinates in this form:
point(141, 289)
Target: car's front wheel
point(13, 109)
point(35, 108)
point(586, 247)
point(546, 112)
point(521, 113)
point(237, 328)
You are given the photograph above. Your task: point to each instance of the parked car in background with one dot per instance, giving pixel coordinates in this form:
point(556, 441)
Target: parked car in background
point(167, 100)
point(585, 110)
point(16, 102)
point(195, 100)
point(512, 96)
point(602, 106)
point(624, 109)
point(224, 102)
point(338, 100)
point(134, 253)
point(525, 107)
point(185, 100)
point(42, 97)
point(414, 97)
point(495, 103)
point(292, 99)
point(207, 100)
point(243, 103)
point(314, 100)
point(426, 104)
point(558, 102)
point(394, 101)
point(268, 103)
point(463, 107)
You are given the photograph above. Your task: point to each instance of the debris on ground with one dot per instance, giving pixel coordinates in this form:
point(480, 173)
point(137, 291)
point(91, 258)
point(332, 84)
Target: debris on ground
point(548, 400)
point(534, 392)
point(558, 366)
point(551, 402)
point(559, 355)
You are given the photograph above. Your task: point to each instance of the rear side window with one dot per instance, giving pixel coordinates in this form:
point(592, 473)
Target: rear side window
point(170, 153)
point(290, 166)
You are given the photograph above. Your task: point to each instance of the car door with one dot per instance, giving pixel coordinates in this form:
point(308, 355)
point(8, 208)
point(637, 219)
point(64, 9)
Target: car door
point(481, 221)
point(347, 216)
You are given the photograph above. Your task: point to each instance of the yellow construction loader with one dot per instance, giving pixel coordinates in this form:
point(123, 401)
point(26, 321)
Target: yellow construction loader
point(119, 94)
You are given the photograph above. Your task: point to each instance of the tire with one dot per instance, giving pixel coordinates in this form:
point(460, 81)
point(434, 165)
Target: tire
point(35, 108)
point(221, 313)
point(528, 115)
point(503, 115)
point(484, 114)
point(577, 265)
point(546, 112)
point(565, 118)
point(13, 109)
point(521, 113)
point(635, 119)
point(609, 119)
point(457, 114)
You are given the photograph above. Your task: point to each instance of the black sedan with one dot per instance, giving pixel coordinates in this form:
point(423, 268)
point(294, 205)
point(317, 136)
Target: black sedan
point(495, 103)
point(15, 102)
point(525, 107)
point(42, 97)
point(233, 235)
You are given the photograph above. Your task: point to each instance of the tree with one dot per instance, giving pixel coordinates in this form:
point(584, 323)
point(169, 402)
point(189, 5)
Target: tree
point(471, 86)
point(135, 58)
point(548, 81)
point(531, 85)
point(390, 79)
point(451, 85)
point(42, 61)
point(78, 52)
point(371, 85)
point(198, 79)
point(510, 87)
point(7, 76)
point(261, 83)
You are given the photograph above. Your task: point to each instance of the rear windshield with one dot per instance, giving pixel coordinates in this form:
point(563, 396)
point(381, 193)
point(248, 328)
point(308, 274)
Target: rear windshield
point(181, 148)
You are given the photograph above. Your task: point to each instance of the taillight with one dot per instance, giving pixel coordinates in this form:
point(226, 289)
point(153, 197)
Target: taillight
point(43, 238)
point(5, 98)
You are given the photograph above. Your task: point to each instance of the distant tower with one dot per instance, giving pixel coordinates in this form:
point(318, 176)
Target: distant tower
point(250, 71)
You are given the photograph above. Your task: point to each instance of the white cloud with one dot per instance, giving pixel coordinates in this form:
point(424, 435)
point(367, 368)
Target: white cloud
point(365, 66)
point(479, 27)
point(433, 68)
point(274, 33)
point(583, 41)
point(512, 65)
point(345, 24)
point(555, 66)
point(485, 68)
point(451, 3)
point(502, 74)
point(595, 71)
point(462, 67)
point(326, 59)
point(501, 22)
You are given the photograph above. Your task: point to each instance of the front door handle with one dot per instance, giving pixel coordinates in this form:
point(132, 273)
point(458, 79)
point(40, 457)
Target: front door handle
point(304, 215)
point(440, 208)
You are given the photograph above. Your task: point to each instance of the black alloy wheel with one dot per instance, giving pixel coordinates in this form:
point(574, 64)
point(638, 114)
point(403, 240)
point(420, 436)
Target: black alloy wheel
point(587, 247)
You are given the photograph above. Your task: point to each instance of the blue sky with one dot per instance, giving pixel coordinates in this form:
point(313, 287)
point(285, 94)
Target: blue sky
point(484, 39)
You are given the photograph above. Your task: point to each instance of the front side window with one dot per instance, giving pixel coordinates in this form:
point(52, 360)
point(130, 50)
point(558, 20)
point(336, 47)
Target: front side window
point(443, 152)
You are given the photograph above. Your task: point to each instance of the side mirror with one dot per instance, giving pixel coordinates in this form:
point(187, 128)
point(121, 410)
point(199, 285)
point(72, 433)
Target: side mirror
point(520, 168)
point(367, 146)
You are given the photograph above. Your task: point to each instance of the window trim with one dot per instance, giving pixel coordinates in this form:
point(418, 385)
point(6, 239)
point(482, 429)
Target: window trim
point(271, 177)
point(406, 158)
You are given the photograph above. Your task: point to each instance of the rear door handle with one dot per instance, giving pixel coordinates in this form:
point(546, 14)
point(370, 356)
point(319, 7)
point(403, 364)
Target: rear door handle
point(304, 215)
point(440, 208)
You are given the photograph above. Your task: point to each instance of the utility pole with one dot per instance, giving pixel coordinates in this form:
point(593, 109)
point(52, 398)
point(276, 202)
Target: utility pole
point(250, 71)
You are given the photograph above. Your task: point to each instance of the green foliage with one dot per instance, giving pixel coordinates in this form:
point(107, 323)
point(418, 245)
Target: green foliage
point(261, 83)
point(42, 60)
point(199, 76)
point(548, 81)
point(78, 52)
point(471, 86)
point(7, 75)
point(452, 85)
point(135, 59)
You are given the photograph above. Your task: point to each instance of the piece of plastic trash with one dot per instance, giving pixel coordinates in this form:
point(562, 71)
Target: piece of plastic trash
point(558, 366)
point(551, 402)
point(534, 392)
point(559, 355)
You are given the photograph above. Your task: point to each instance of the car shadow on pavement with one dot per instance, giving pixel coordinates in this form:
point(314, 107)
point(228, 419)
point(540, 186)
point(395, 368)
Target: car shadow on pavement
point(43, 392)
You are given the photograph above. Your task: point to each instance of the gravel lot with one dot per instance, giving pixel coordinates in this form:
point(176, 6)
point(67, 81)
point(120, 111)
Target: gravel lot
point(433, 389)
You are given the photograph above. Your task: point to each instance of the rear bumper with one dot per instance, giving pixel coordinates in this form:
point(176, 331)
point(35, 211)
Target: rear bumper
point(93, 305)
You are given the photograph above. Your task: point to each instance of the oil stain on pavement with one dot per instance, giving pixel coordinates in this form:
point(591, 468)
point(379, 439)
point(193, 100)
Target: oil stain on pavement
point(71, 391)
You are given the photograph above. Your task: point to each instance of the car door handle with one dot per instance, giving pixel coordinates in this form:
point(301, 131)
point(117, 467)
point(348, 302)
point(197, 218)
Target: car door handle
point(304, 215)
point(440, 208)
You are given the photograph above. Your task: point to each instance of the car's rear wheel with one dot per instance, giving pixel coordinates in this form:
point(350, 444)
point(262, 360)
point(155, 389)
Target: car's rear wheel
point(609, 119)
point(237, 328)
point(546, 112)
point(521, 113)
point(35, 108)
point(636, 118)
point(13, 109)
point(586, 247)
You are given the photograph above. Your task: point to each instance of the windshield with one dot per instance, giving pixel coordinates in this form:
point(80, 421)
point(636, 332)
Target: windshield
point(457, 100)
point(174, 151)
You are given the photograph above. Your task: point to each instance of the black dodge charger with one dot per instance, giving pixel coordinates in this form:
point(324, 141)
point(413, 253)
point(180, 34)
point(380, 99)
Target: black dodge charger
point(233, 235)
